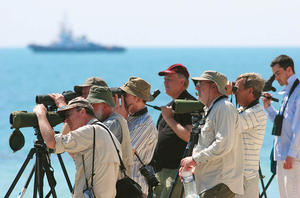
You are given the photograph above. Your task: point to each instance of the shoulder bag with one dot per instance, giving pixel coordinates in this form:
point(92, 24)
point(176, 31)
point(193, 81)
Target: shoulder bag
point(126, 187)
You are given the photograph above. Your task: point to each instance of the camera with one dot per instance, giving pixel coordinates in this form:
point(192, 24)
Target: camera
point(120, 92)
point(89, 193)
point(277, 126)
point(268, 84)
point(148, 172)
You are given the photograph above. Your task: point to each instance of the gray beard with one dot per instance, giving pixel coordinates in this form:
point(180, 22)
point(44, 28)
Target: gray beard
point(99, 115)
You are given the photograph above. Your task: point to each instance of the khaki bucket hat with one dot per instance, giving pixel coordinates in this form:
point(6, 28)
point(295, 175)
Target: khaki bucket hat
point(100, 94)
point(76, 102)
point(216, 77)
point(90, 82)
point(137, 87)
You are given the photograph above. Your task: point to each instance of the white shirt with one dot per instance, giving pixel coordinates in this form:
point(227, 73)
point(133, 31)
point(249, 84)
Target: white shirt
point(219, 152)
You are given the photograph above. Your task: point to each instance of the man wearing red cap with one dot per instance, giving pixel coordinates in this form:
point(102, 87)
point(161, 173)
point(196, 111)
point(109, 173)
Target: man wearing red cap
point(174, 131)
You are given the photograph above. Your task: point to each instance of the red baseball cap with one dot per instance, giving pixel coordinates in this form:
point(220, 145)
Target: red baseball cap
point(175, 69)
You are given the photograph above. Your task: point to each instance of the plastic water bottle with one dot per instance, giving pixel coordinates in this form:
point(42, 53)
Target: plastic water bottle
point(189, 184)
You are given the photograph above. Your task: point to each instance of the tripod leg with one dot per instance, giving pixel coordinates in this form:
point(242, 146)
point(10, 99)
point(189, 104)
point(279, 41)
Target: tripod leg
point(39, 175)
point(22, 193)
point(262, 182)
point(65, 173)
point(267, 186)
point(29, 156)
point(49, 173)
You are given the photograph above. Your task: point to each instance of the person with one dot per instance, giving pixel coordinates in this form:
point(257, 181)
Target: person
point(81, 90)
point(79, 141)
point(217, 159)
point(103, 104)
point(249, 87)
point(286, 145)
point(143, 132)
point(174, 132)
point(84, 89)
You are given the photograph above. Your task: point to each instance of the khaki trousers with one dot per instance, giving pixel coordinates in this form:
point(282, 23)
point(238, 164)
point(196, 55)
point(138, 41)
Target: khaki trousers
point(166, 178)
point(218, 191)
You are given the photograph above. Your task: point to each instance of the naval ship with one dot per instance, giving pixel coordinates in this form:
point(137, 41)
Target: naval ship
point(67, 43)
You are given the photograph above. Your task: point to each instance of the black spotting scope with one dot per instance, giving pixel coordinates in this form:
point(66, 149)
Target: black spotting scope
point(47, 100)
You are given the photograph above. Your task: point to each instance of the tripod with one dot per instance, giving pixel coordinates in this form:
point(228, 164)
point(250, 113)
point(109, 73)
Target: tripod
point(41, 167)
point(197, 121)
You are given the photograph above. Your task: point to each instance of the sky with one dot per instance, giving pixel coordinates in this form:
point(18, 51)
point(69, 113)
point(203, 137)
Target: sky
point(155, 23)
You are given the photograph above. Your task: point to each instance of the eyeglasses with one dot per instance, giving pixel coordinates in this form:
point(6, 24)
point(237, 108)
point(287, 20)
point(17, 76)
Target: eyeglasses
point(198, 83)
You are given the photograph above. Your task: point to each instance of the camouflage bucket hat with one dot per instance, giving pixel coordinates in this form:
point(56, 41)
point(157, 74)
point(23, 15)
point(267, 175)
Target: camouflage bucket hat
point(100, 94)
point(90, 82)
point(77, 102)
point(215, 77)
point(137, 87)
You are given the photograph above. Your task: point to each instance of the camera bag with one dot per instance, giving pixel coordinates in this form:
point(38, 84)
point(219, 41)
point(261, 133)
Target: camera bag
point(277, 126)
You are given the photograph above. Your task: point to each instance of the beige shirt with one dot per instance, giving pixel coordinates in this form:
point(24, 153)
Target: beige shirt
point(219, 152)
point(80, 142)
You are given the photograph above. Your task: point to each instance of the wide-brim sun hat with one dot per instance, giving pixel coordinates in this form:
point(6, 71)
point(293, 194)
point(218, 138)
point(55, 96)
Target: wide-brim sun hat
point(137, 87)
point(218, 78)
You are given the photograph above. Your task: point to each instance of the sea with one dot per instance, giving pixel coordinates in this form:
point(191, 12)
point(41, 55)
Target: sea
point(25, 74)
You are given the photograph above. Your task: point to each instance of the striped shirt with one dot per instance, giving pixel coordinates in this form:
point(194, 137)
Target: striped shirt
point(143, 135)
point(253, 122)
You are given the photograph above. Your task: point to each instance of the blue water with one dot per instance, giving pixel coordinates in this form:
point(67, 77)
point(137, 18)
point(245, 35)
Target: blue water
point(24, 74)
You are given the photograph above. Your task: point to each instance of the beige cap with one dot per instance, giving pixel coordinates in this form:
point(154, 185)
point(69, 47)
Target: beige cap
point(137, 87)
point(216, 77)
point(90, 82)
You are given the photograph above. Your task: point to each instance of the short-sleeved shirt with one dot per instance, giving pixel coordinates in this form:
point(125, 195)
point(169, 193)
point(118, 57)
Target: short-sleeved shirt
point(80, 142)
point(170, 148)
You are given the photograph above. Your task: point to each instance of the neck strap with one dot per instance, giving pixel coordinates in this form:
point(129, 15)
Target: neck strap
point(290, 93)
point(219, 98)
point(122, 167)
point(252, 104)
point(86, 180)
